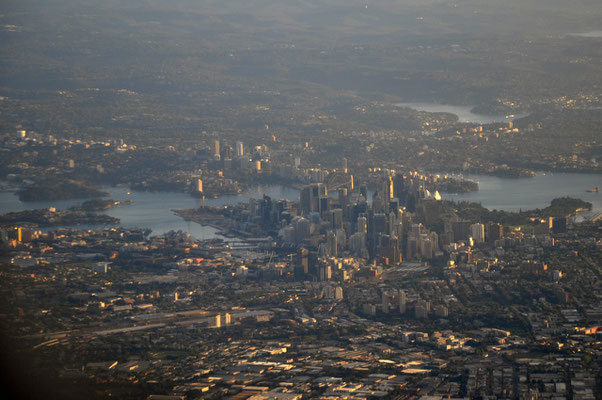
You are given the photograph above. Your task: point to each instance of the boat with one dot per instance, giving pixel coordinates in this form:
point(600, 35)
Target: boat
point(593, 190)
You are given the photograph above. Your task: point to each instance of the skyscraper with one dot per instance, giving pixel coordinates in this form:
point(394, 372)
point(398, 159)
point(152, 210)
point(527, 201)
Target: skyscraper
point(198, 186)
point(336, 218)
point(477, 232)
point(314, 198)
point(495, 231)
point(385, 302)
point(332, 244)
point(461, 230)
point(305, 199)
point(559, 225)
point(402, 301)
point(301, 229)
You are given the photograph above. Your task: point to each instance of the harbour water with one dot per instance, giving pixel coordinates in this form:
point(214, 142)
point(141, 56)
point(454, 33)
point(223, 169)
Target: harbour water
point(514, 194)
point(153, 210)
point(464, 113)
point(591, 34)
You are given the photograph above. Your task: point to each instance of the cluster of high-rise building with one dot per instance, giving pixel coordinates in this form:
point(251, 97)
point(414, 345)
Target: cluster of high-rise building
point(386, 224)
point(224, 156)
point(15, 235)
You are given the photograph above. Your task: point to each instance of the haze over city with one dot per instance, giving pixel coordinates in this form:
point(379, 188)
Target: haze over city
point(301, 199)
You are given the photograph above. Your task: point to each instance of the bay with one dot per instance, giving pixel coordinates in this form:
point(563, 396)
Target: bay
point(514, 194)
point(591, 34)
point(153, 210)
point(464, 113)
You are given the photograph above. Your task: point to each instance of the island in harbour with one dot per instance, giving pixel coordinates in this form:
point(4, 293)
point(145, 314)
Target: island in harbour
point(451, 185)
point(58, 189)
point(51, 217)
point(99, 205)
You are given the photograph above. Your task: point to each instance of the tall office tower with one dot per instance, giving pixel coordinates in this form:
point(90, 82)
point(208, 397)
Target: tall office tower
point(332, 244)
point(303, 260)
point(423, 309)
point(341, 237)
point(387, 193)
point(266, 208)
point(435, 241)
point(228, 319)
point(301, 229)
point(344, 165)
point(461, 230)
point(419, 311)
point(227, 151)
point(343, 197)
point(356, 244)
point(392, 223)
point(377, 225)
point(323, 205)
point(282, 210)
point(305, 199)
point(417, 229)
point(336, 218)
point(441, 311)
point(216, 148)
point(362, 230)
point(377, 202)
point(217, 321)
point(559, 225)
point(198, 186)
point(240, 149)
point(402, 301)
point(394, 205)
point(325, 272)
point(380, 224)
point(495, 231)
point(318, 197)
point(17, 233)
point(362, 225)
point(385, 302)
point(288, 235)
point(389, 188)
point(411, 247)
point(478, 232)
point(398, 186)
point(399, 231)
point(426, 246)
point(388, 248)
point(364, 191)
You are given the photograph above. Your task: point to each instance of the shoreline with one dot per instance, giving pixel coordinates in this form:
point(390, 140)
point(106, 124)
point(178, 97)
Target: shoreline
point(209, 220)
